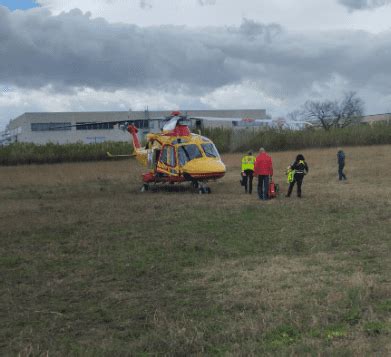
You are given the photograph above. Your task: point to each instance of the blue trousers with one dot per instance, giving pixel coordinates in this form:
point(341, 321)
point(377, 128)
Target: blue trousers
point(340, 172)
point(263, 187)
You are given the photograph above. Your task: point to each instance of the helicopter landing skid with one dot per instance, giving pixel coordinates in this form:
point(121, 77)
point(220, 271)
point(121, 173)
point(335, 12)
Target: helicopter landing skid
point(201, 187)
point(144, 187)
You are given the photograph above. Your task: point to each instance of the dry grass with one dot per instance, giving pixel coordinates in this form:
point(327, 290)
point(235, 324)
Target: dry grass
point(92, 266)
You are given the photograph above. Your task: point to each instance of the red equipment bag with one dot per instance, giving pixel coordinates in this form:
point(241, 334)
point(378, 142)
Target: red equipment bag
point(272, 189)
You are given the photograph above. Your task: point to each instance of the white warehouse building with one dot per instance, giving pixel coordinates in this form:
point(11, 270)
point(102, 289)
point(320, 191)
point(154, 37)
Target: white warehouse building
point(42, 128)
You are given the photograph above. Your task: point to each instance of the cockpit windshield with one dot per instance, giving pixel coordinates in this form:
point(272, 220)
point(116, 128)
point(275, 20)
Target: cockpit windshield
point(210, 150)
point(187, 153)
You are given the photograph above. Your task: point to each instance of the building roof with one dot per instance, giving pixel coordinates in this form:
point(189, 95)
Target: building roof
point(376, 117)
point(256, 113)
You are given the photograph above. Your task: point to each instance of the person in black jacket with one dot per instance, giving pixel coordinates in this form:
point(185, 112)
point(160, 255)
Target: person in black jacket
point(300, 168)
point(341, 164)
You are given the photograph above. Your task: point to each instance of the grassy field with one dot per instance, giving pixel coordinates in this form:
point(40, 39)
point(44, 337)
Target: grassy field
point(91, 266)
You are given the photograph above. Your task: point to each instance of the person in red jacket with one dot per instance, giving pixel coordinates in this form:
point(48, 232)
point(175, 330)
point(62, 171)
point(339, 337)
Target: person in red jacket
point(263, 168)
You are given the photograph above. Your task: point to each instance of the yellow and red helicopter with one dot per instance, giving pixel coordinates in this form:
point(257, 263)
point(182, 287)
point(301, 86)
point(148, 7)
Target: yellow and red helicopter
point(176, 155)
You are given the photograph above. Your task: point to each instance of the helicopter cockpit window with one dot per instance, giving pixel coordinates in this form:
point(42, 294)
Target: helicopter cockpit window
point(171, 156)
point(210, 150)
point(163, 156)
point(187, 153)
point(168, 156)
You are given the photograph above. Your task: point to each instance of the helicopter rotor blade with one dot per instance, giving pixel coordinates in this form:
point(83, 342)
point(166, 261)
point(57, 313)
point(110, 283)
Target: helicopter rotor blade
point(121, 123)
point(171, 124)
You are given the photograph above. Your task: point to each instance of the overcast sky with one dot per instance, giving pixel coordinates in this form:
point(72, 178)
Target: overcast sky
point(88, 55)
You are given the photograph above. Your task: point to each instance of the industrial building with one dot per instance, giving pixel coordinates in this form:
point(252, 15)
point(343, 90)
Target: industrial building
point(376, 118)
point(42, 128)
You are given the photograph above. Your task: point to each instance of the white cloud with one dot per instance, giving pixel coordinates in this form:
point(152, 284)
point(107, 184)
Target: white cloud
point(248, 94)
point(294, 14)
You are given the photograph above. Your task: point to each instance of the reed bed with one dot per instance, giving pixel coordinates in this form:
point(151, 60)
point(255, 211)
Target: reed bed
point(228, 140)
point(27, 153)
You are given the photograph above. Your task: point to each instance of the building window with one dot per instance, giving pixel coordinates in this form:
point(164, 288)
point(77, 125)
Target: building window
point(95, 126)
point(141, 124)
point(51, 126)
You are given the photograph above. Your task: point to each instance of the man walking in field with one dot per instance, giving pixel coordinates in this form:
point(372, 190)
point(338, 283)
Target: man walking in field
point(341, 164)
point(263, 168)
point(248, 171)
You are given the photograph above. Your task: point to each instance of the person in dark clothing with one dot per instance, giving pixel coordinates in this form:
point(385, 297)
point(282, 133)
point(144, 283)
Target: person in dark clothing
point(300, 168)
point(341, 165)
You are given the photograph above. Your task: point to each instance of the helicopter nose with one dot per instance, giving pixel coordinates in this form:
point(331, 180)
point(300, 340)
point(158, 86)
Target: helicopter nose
point(205, 166)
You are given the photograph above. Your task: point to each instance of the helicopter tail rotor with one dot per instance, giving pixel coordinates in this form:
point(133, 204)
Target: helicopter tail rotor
point(124, 126)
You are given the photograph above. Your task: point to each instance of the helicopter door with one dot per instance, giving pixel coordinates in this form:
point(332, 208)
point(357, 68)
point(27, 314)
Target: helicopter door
point(155, 158)
point(167, 161)
point(153, 153)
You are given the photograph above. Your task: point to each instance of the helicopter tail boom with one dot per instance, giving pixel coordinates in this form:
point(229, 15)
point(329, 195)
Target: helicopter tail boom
point(133, 131)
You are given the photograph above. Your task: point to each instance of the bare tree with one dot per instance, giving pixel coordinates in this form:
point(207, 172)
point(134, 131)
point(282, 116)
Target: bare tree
point(296, 115)
point(333, 114)
point(351, 110)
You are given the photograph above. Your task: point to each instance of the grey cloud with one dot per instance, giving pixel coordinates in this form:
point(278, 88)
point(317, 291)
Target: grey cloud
point(145, 4)
point(72, 50)
point(253, 30)
point(363, 4)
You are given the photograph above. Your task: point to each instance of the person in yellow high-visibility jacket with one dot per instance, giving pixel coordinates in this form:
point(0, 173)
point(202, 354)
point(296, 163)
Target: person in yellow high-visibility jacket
point(248, 172)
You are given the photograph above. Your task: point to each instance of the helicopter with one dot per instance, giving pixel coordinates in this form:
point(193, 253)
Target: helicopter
point(175, 155)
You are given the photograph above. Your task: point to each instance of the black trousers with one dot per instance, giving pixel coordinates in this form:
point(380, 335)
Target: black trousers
point(248, 181)
point(340, 172)
point(263, 187)
point(298, 178)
